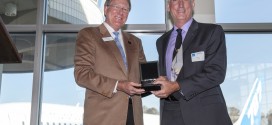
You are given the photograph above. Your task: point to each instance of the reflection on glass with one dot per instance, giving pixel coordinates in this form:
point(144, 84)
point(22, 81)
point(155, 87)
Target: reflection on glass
point(19, 11)
point(16, 83)
point(248, 78)
point(59, 52)
point(25, 44)
point(74, 12)
point(247, 87)
point(151, 103)
point(248, 84)
point(243, 14)
point(92, 12)
point(62, 99)
point(147, 12)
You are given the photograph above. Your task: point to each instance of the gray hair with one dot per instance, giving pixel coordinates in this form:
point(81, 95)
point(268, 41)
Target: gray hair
point(170, 0)
point(108, 2)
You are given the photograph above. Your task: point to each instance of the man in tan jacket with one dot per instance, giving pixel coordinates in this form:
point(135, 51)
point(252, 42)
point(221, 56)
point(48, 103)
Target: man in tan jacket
point(107, 65)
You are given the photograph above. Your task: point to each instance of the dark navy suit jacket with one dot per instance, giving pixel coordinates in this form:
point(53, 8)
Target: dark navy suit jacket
point(201, 101)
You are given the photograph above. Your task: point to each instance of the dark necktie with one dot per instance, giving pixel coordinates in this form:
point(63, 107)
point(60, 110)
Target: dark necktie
point(118, 43)
point(178, 42)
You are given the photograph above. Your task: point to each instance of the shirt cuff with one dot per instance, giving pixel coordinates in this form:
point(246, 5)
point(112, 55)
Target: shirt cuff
point(115, 88)
point(181, 92)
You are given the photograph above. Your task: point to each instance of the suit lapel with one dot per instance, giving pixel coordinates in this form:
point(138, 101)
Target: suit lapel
point(113, 48)
point(165, 44)
point(127, 45)
point(190, 35)
point(187, 42)
point(165, 41)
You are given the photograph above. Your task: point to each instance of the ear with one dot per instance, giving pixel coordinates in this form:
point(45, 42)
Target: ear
point(105, 9)
point(168, 6)
point(193, 3)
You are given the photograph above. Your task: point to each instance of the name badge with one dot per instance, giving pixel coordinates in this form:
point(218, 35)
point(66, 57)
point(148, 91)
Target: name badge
point(198, 56)
point(105, 39)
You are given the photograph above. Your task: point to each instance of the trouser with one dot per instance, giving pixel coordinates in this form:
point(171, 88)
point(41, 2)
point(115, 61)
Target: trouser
point(171, 114)
point(130, 119)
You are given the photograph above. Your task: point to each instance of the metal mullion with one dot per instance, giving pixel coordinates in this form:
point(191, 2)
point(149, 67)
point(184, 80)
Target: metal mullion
point(21, 28)
point(166, 16)
point(247, 27)
point(64, 28)
point(136, 28)
point(1, 73)
point(145, 28)
point(38, 65)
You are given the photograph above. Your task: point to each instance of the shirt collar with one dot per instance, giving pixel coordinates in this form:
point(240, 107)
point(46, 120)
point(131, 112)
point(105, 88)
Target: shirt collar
point(186, 26)
point(111, 30)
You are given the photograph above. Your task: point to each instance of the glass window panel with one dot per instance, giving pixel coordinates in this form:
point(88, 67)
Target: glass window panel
point(246, 85)
point(147, 12)
point(92, 12)
point(16, 83)
point(243, 11)
point(269, 100)
point(269, 86)
point(151, 103)
point(62, 98)
point(19, 11)
point(74, 12)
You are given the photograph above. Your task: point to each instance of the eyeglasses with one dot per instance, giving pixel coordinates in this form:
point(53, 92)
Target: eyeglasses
point(175, 1)
point(116, 7)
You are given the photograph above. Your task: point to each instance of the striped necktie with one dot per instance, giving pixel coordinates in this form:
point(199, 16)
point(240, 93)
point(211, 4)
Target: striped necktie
point(118, 43)
point(178, 42)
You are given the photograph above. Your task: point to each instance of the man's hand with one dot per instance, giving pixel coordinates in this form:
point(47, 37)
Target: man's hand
point(167, 87)
point(131, 88)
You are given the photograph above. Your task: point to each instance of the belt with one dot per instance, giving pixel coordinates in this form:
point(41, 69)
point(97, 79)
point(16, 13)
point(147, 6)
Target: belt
point(171, 98)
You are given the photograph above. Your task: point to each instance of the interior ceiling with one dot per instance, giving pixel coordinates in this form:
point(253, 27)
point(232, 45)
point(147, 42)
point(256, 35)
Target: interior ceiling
point(21, 4)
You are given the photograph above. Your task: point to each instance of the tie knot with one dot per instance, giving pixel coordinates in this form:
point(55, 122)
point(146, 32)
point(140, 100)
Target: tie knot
point(179, 31)
point(116, 34)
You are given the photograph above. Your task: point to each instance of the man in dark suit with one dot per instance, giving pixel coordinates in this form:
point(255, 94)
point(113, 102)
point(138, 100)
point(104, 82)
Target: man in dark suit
point(191, 71)
point(107, 65)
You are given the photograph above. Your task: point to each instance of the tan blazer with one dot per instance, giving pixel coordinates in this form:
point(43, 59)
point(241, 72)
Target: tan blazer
point(98, 65)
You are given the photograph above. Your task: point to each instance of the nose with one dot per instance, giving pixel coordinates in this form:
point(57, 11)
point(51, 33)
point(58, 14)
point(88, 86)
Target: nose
point(180, 2)
point(120, 10)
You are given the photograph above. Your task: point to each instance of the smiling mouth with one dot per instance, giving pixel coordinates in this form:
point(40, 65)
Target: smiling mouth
point(118, 18)
point(181, 11)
